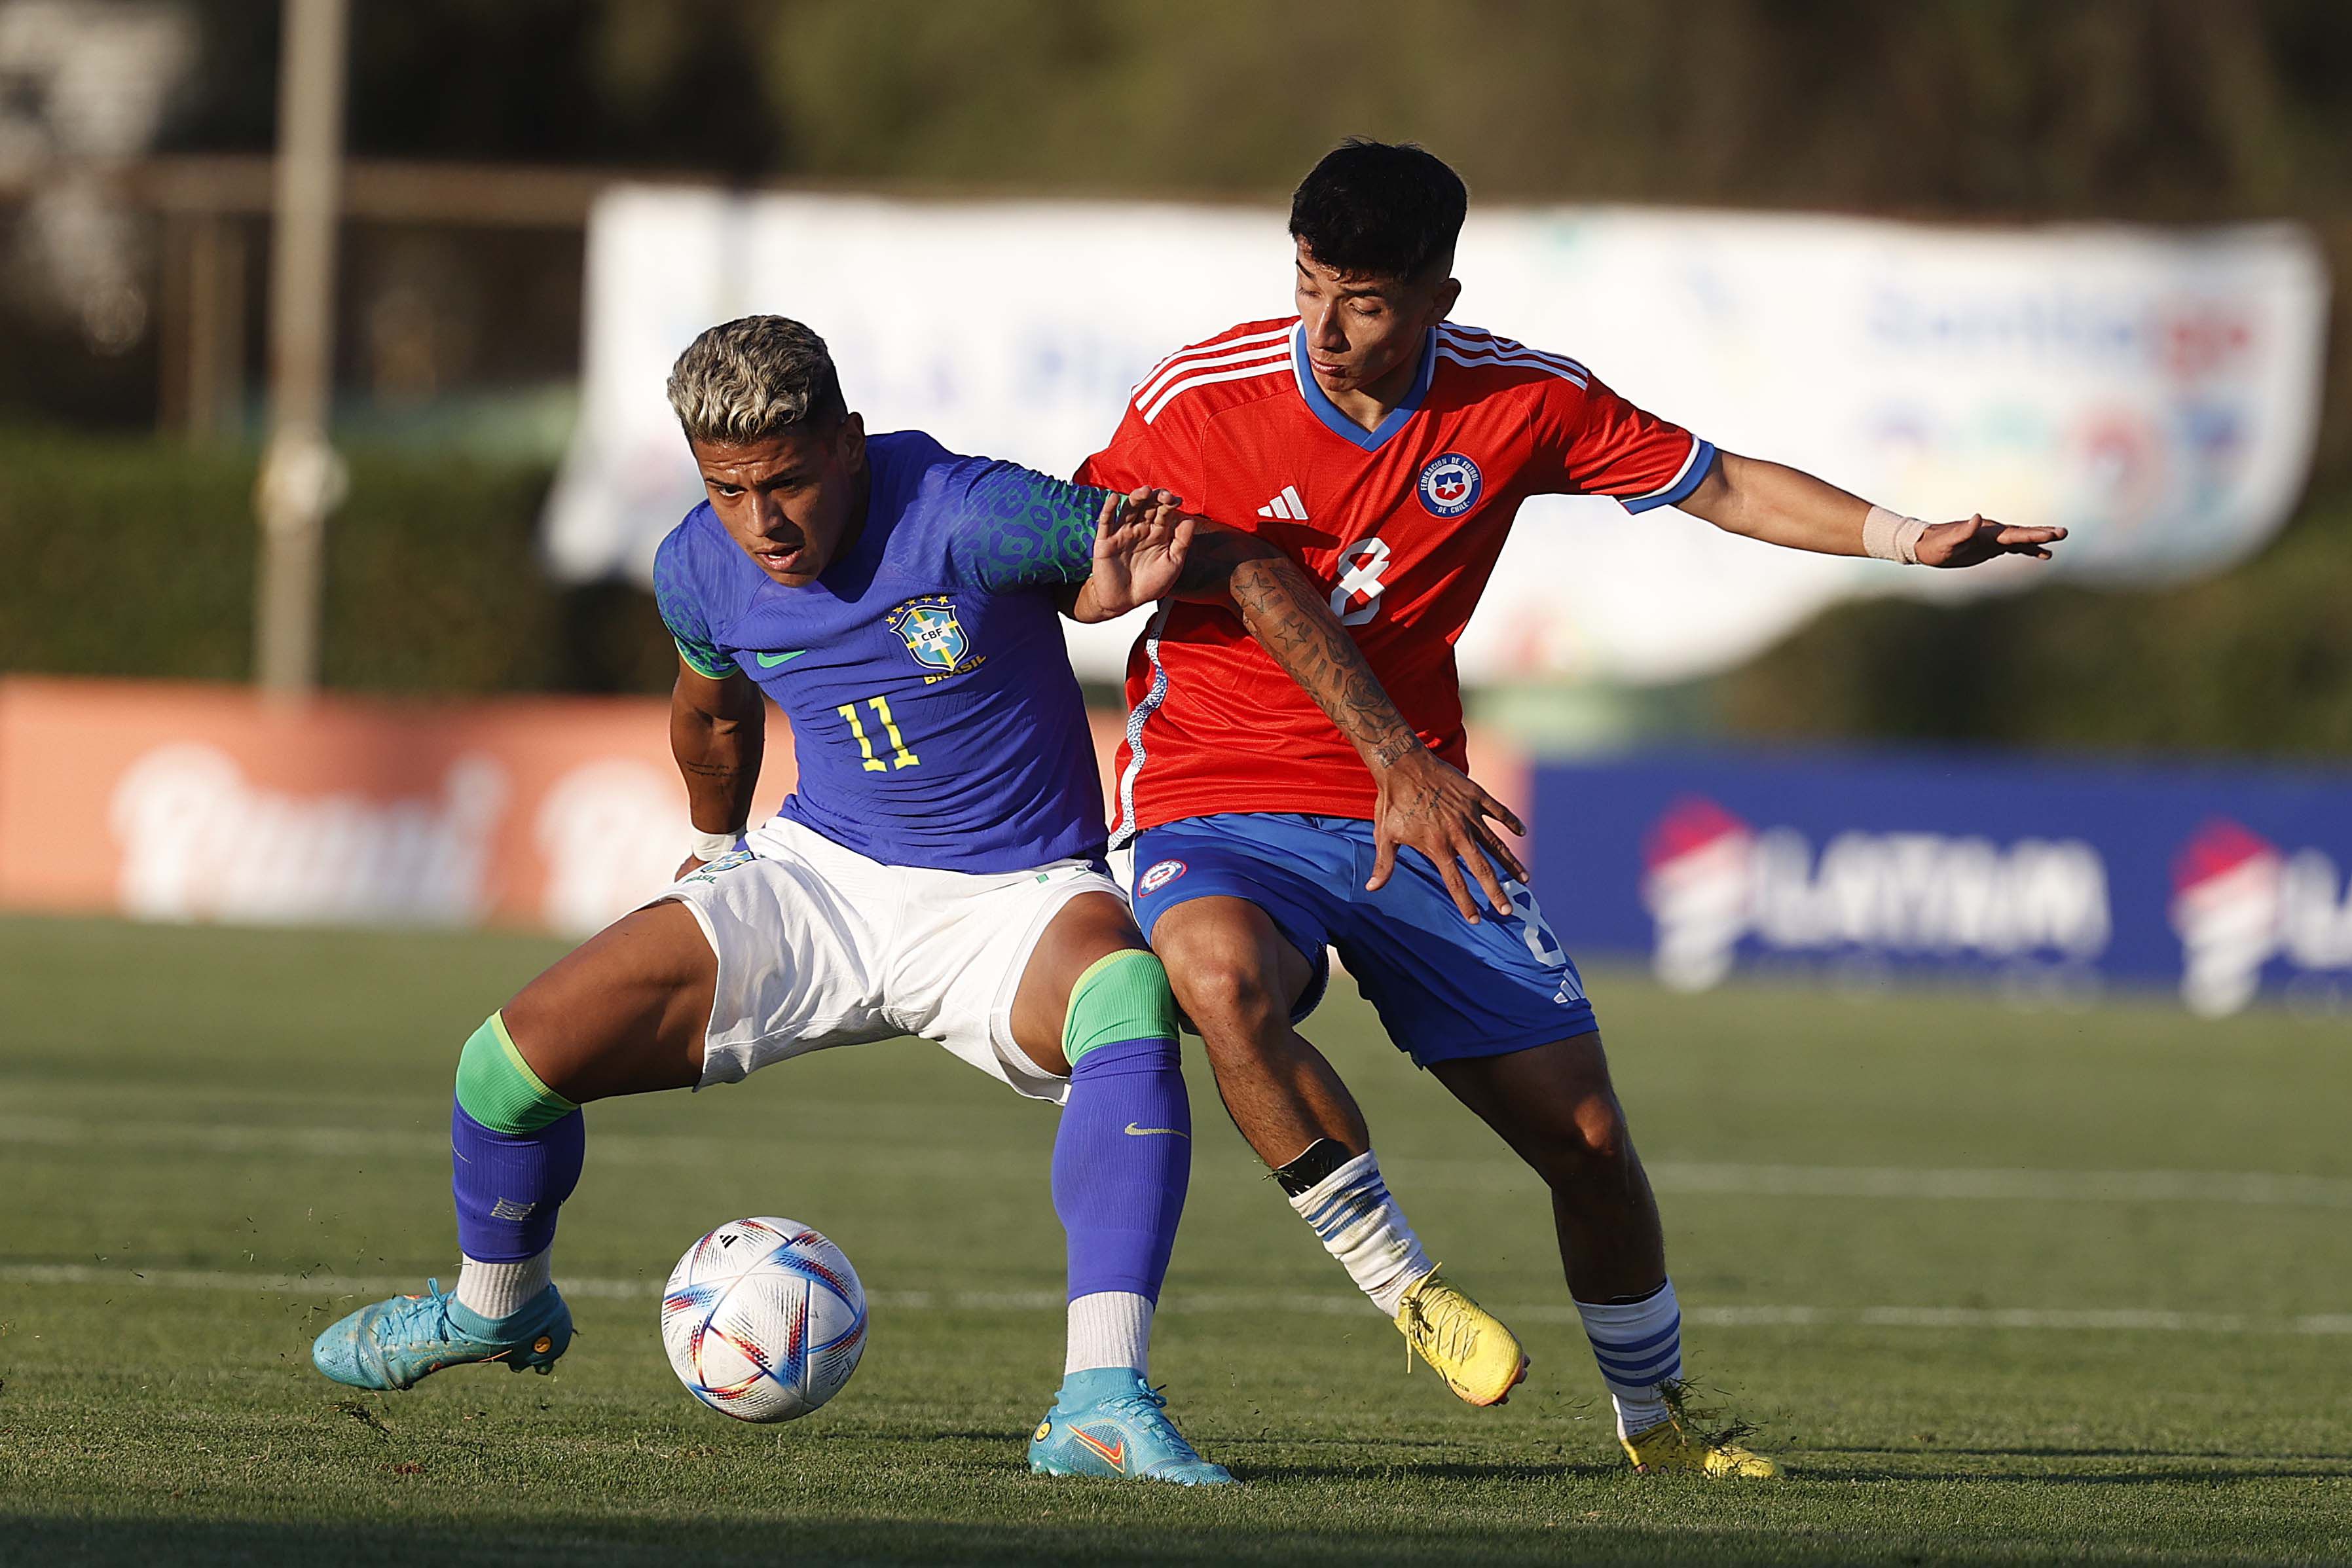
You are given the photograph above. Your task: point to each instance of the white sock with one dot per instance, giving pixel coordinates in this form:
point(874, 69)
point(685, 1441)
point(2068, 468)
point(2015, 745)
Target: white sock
point(1639, 1345)
point(1110, 1328)
point(502, 1290)
point(1361, 1226)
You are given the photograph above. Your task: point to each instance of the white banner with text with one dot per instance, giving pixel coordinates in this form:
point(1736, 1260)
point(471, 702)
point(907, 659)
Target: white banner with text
point(2156, 392)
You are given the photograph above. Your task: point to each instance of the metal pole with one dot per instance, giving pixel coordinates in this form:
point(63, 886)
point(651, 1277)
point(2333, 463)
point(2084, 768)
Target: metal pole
point(302, 477)
point(217, 328)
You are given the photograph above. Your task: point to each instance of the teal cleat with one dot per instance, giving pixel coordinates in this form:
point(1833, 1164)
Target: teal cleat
point(1108, 1424)
point(393, 1344)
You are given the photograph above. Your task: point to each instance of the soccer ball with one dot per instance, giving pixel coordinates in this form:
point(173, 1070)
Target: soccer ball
point(764, 1319)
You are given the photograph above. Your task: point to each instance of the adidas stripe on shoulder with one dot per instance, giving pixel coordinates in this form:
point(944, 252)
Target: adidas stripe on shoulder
point(1476, 346)
point(1254, 350)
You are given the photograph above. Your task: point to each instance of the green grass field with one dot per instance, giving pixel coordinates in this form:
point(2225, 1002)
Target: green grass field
point(1999, 1286)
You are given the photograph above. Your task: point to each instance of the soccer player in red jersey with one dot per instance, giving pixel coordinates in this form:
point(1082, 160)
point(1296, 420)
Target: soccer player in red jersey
point(1386, 449)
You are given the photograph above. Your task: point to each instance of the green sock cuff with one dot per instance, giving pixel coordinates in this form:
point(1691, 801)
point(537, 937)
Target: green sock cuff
point(497, 1087)
point(1122, 996)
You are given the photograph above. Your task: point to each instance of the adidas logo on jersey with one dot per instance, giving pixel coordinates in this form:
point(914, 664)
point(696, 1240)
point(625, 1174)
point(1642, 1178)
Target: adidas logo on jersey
point(1286, 507)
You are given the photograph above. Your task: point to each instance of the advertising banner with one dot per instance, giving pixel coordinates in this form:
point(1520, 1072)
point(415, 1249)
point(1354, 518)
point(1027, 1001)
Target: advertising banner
point(2222, 884)
point(2155, 391)
point(191, 802)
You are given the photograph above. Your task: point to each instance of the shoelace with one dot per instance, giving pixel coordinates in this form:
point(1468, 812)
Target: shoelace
point(432, 1307)
point(1449, 1323)
point(1143, 1407)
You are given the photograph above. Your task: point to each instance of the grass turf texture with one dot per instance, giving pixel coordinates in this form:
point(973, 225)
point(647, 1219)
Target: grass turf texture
point(217, 1110)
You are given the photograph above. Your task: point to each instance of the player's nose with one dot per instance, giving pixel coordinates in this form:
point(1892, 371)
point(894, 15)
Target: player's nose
point(769, 517)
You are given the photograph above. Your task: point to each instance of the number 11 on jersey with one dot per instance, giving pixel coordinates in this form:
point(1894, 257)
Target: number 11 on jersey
point(900, 757)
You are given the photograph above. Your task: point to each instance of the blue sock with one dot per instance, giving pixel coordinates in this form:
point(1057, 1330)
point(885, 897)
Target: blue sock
point(1122, 1162)
point(508, 1188)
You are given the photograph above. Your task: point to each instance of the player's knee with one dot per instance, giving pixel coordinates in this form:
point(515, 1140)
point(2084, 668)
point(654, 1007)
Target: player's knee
point(1121, 997)
point(1589, 1143)
point(498, 1089)
point(1226, 993)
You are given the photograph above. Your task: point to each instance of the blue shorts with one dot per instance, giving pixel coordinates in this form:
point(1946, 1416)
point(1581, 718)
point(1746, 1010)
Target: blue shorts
point(1443, 987)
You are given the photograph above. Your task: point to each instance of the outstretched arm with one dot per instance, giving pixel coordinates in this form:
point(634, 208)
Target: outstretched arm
point(718, 730)
point(1784, 506)
point(1147, 548)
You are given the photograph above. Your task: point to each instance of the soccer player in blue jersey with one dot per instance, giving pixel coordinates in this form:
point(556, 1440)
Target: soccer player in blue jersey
point(936, 871)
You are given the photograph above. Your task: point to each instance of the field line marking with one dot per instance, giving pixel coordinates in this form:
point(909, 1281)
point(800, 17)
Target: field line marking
point(2262, 1188)
point(2259, 1187)
point(2045, 1319)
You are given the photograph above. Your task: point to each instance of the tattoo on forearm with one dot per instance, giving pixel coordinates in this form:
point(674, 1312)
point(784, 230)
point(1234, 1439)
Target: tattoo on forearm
point(1284, 611)
point(1214, 560)
point(714, 769)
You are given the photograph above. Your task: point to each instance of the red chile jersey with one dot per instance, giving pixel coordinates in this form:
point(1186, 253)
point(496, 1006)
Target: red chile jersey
point(1401, 523)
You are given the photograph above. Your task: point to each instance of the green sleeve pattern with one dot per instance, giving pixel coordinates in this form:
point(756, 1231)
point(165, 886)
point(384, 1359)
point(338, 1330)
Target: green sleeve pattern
point(674, 596)
point(1027, 531)
point(705, 659)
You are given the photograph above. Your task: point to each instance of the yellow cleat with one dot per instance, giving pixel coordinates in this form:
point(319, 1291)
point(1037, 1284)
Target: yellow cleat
point(1668, 1447)
point(1477, 1356)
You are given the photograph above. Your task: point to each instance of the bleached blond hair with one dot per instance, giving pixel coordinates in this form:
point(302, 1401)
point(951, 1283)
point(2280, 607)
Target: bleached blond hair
point(758, 376)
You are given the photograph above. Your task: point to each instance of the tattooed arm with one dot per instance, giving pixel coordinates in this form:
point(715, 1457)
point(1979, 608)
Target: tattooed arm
point(1148, 547)
point(718, 730)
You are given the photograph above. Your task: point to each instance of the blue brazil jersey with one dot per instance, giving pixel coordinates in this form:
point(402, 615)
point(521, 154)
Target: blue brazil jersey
point(935, 719)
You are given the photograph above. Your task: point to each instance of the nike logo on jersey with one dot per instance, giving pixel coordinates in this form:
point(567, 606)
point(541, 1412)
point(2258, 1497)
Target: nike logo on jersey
point(1135, 1131)
point(1286, 507)
point(769, 660)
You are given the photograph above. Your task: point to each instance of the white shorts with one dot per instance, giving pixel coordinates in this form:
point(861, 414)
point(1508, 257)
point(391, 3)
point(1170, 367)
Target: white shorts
point(819, 945)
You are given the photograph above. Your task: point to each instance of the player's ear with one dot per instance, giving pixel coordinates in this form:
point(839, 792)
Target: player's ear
point(1449, 293)
point(852, 437)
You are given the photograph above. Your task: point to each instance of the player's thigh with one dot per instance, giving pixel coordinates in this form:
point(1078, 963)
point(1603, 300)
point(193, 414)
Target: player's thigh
point(1228, 960)
point(623, 1013)
point(1081, 932)
point(1240, 907)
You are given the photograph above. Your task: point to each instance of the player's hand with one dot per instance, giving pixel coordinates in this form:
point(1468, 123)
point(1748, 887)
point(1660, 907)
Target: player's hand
point(687, 867)
point(1141, 540)
point(1427, 805)
point(1975, 540)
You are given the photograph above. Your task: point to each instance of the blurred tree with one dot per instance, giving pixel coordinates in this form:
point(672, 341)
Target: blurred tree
point(2183, 108)
point(2190, 108)
point(530, 81)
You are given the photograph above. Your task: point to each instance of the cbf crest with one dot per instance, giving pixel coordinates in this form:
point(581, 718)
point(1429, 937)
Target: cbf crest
point(932, 633)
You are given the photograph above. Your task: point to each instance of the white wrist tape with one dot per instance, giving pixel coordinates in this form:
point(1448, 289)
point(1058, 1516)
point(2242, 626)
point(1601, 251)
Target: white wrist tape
point(708, 847)
point(1890, 536)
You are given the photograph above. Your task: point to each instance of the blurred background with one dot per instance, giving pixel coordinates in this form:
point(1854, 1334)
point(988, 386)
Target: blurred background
point(2065, 263)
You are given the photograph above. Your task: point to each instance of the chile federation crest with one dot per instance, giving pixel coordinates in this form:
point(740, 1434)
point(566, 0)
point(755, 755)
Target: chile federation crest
point(932, 633)
point(1449, 484)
